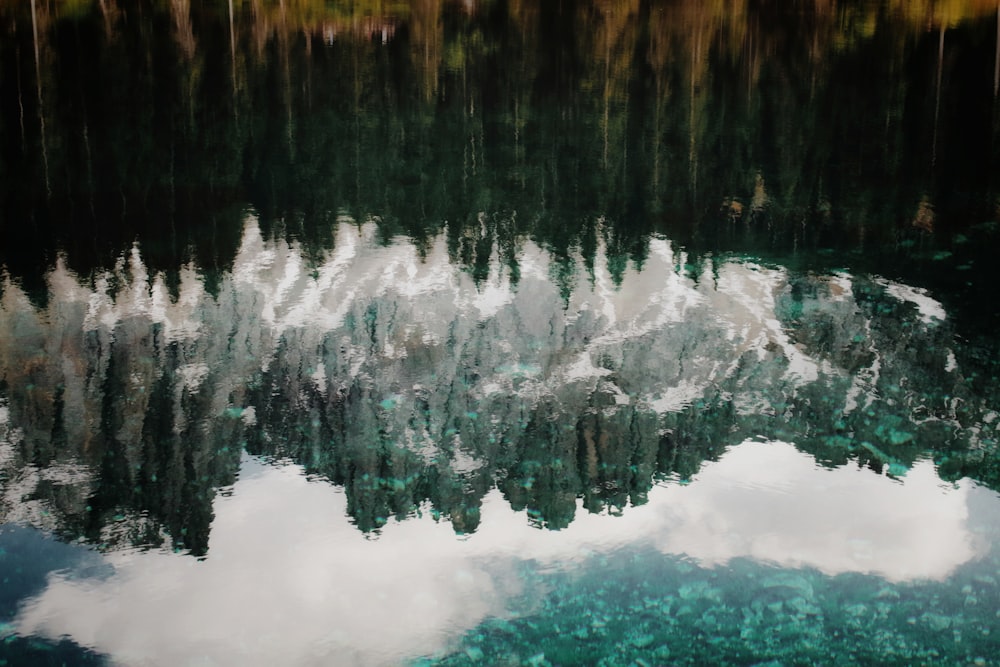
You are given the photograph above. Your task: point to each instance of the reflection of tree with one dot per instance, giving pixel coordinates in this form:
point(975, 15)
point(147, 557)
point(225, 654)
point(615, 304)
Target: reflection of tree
point(417, 115)
point(418, 388)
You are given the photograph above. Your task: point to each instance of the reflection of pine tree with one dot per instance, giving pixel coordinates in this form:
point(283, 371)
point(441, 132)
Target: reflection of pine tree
point(544, 479)
point(158, 481)
point(114, 489)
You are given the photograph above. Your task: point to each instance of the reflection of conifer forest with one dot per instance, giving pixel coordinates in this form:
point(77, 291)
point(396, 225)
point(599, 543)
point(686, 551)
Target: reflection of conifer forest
point(829, 125)
point(269, 152)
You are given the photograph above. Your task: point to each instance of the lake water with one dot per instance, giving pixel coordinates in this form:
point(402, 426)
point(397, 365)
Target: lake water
point(499, 333)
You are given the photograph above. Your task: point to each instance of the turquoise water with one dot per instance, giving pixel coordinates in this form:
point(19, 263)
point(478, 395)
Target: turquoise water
point(490, 334)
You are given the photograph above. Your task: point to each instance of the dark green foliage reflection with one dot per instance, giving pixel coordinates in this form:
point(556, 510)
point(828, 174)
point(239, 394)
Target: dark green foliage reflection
point(723, 126)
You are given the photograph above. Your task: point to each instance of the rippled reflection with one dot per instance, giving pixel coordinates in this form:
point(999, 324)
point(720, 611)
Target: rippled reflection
point(499, 332)
point(395, 375)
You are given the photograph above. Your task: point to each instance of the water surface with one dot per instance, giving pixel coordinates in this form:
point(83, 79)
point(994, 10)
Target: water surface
point(423, 333)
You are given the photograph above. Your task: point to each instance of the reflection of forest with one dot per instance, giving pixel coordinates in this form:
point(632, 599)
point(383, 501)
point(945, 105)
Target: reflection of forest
point(384, 369)
point(841, 124)
point(540, 147)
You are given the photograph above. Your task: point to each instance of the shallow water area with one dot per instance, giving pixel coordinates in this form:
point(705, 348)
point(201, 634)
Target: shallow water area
point(725, 560)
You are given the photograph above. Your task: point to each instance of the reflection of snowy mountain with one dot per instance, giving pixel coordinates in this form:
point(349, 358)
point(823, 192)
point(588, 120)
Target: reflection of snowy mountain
point(398, 376)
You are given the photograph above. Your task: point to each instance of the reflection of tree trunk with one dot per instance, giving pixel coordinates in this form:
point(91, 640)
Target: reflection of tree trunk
point(518, 154)
point(607, 92)
point(20, 99)
point(180, 11)
point(285, 48)
point(357, 128)
point(692, 141)
point(90, 168)
point(110, 13)
point(937, 94)
point(996, 58)
point(41, 106)
point(232, 57)
point(469, 109)
point(750, 60)
point(427, 37)
point(996, 77)
point(471, 100)
point(657, 113)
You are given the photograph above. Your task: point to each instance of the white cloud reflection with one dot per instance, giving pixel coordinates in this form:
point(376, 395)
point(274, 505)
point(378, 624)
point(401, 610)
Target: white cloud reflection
point(289, 581)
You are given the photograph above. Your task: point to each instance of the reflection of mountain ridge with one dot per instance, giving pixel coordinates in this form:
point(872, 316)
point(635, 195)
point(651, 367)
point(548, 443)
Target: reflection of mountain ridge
point(383, 369)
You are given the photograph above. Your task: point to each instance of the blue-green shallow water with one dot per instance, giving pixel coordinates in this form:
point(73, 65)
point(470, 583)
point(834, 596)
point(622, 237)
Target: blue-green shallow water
point(498, 333)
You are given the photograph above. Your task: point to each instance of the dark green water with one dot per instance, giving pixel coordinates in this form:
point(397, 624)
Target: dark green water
point(496, 333)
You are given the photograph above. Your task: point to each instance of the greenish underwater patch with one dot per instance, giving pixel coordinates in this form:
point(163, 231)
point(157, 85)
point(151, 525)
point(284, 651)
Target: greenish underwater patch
point(644, 608)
